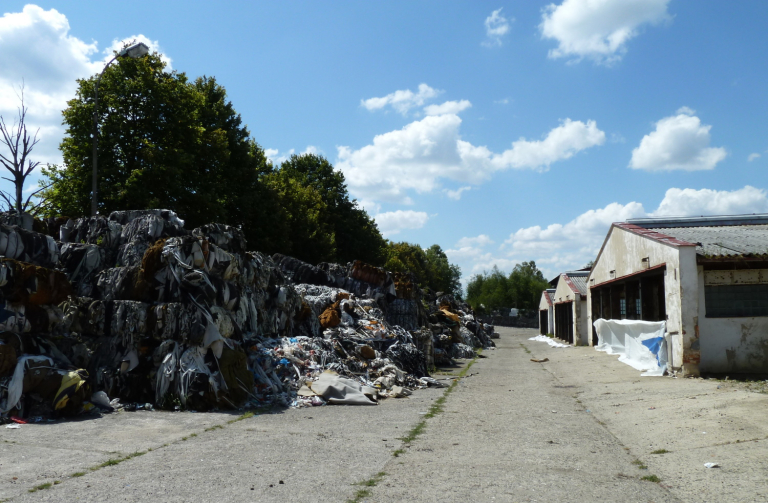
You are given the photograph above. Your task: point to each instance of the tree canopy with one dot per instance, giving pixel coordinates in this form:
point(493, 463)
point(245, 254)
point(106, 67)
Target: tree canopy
point(430, 267)
point(168, 142)
point(521, 289)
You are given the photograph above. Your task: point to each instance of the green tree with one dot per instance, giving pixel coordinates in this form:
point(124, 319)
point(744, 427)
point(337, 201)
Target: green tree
point(163, 142)
point(430, 267)
point(304, 214)
point(526, 283)
point(443, 276)
point(356, 235)
point(491, 290)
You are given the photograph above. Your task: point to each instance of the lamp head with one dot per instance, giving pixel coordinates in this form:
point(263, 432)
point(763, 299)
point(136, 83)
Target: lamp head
point(135, 51)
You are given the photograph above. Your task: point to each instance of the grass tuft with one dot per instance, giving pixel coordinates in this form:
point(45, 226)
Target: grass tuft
point(660, 451)
point(41, 487)
point(651, 478)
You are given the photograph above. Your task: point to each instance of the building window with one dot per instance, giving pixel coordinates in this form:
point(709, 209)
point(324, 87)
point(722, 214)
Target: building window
point(638, 309)
point(623, 308)
point(733, 301)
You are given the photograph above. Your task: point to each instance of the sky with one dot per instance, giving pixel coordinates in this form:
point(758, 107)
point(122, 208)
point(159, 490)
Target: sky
point(502, 131)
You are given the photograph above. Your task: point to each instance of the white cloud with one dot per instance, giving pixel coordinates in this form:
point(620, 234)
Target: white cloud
point(274, 155)
point(417, 156)
point(570, 245)
point(37, 49)
point(456, 194)
point(504, 101)
point(496, 27)
point(753, 156)
point(470, 248)
point(480, 241)
point(402, 100)
point(565, 246)
point(392, 222)
point(449, 107)
point(690, 202)
point(679, 142)
point(598, 29)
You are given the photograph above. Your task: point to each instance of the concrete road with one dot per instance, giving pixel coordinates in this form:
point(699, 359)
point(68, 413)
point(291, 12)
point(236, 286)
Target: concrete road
point(580, 427)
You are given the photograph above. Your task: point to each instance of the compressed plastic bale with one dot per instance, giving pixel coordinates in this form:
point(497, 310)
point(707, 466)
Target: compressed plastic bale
point(233, 365)
point(7, 359)
point(28, 246)
point(132, 252)
point(128, 318)
point(84, 315)
point(146, 228)
point(368, 273)
point(223, 236)
point(164, 321)
point(223, 321)
point(301, 272)
point(96, 230)
point(82, 263)
point(127, 216)
point(118, 283)
point(258, 270)
point(13, 318)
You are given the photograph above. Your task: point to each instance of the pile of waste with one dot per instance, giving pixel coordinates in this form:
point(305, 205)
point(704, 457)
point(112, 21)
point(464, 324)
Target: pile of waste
point(136, 311)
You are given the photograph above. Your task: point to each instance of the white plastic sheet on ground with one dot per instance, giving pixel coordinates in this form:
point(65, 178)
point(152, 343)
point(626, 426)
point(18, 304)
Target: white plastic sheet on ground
point(550, 341)
point(639, 344)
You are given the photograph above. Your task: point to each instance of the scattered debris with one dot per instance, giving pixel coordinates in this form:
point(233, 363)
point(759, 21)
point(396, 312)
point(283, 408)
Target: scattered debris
point(551, 342)
point(134, 312)
point(712, 465)
point(539, 361)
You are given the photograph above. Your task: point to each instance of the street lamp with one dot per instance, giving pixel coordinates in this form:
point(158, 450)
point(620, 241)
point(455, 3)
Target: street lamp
point(133, 51)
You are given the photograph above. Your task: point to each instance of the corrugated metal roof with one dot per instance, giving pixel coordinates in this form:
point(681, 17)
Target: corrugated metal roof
point(579, 281)
point(723, 240)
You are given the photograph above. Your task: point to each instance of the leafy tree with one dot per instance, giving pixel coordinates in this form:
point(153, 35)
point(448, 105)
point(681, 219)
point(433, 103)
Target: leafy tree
point(430, 267)
point(163, 142)
point(167, 142)
point(443, 276)
point(303, 211)
point(525, 285)
point(521, 289)
point(356, 235)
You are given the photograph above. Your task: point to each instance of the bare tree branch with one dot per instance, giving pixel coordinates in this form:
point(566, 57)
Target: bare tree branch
point(14, 157)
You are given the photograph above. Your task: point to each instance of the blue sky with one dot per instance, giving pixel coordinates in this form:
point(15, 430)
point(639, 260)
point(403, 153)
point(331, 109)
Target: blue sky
point(502, 131)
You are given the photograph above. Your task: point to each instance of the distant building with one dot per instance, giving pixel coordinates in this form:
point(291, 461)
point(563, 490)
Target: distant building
point(547, 312)
point(570, 307)
point(707, 277)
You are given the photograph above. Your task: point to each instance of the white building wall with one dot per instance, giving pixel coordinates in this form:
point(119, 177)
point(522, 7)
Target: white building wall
point(732, 344)
point(624, 251)
point(563, 293)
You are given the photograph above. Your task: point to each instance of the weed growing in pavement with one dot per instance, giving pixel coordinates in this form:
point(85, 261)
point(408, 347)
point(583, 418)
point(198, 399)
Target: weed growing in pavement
point(364, 493)
point(436, 408)
point(660, 451)
point(47, 485)
point(525, 348)
point(651, 478)
point(639, 464)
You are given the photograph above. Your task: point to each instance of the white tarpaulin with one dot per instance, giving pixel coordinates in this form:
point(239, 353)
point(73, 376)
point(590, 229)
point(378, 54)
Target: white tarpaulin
point(639, 344)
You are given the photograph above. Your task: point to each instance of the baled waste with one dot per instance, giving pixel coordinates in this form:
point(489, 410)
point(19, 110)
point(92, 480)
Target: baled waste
point(136, 311)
